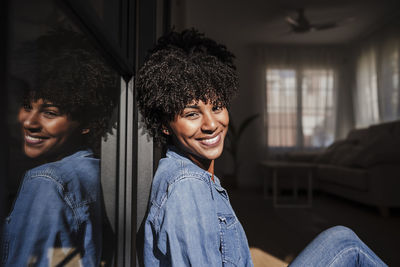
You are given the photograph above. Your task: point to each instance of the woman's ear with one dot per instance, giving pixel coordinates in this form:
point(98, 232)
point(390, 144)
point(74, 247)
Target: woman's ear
point(166, 131)
point(85, 131)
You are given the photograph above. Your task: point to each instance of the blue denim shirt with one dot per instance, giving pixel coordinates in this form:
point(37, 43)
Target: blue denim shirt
point(190, 220)
point(57, 214)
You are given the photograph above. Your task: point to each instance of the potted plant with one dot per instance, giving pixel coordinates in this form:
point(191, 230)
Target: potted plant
point(232, 146)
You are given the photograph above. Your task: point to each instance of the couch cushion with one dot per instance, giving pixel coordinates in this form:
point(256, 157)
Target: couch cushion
point(365, 147)
point(354, 178)
point(331, 151)
point(357, 135)
point(342, 155)
point(350, 157)
point(383, 147)
point(384, 151)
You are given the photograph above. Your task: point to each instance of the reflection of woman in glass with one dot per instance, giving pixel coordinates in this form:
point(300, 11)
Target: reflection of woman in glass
point(184, 90)
point(57, 215)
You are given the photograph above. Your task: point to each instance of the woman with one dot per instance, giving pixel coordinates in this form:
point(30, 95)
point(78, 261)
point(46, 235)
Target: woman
point(57, 216)
point(184, 91)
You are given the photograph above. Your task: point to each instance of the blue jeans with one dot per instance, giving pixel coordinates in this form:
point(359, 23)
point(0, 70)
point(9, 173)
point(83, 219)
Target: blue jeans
point(337, 246)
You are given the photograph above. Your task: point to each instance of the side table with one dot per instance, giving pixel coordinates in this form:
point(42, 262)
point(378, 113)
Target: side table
point(296, 169)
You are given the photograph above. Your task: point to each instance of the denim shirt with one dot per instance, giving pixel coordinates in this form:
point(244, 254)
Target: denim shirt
point(190, 220)
point(56, 217)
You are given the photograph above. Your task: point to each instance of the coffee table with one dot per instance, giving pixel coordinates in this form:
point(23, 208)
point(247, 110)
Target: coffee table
point(297, 170)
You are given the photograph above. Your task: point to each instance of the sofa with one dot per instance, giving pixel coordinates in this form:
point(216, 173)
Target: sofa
point(363, 167)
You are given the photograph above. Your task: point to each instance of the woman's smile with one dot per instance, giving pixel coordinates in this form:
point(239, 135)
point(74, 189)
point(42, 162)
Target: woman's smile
point(34, 140)
point(211, 141)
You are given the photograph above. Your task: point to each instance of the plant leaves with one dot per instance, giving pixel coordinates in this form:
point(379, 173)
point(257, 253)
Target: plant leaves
point(245, 123)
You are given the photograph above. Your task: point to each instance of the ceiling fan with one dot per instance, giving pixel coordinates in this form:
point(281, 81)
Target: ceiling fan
point(301, 24)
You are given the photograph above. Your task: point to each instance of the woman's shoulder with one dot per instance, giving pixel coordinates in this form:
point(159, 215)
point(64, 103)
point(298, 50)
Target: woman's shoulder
point(79, 165)
point(175, 176)
point(62, 186)
point(173, 170)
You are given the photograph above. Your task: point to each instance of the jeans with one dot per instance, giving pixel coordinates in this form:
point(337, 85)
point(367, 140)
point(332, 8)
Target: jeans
point(337, 246)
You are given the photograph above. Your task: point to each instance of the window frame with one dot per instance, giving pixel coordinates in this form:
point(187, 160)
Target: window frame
point(119, 175)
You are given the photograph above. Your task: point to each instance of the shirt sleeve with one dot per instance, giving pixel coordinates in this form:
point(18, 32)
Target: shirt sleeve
point(42, 227)
point(189, 229)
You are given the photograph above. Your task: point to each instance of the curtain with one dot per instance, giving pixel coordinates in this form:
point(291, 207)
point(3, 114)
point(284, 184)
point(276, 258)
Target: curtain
point(366, 100)
point(301, 88)
point(377, 96)
point(388, 82)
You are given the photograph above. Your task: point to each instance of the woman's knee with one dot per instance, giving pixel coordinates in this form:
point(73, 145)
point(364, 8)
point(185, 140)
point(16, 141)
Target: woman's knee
point(338, 234)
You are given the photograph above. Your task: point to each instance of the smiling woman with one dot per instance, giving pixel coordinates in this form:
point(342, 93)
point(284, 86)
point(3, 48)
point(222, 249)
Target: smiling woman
point(57, 218)
point(184, 92)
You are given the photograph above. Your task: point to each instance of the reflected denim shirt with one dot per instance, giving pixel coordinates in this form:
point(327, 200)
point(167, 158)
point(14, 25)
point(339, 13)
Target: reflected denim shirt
point(56, 218)
point(190, 220)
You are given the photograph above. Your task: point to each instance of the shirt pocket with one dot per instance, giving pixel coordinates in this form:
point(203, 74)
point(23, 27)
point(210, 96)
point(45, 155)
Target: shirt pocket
point(229, 239)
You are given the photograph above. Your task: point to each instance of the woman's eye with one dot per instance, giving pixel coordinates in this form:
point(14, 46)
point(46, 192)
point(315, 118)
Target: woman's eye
point(50, 114)
point(217, 108)
point(191, 115)
point(27, 107)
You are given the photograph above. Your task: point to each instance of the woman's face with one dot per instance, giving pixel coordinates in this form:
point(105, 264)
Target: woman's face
point(46, 131)
point(200, 130)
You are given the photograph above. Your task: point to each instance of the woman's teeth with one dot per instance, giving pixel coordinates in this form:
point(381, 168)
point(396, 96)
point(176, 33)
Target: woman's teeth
point(31, 139)
point(211, 141)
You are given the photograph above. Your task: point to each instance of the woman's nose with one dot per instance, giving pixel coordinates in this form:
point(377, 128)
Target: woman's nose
point(31, 121)
point(209, 123)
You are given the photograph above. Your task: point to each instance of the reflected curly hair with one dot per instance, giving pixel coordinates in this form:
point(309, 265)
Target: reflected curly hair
point(71, 74)
point(181, 68)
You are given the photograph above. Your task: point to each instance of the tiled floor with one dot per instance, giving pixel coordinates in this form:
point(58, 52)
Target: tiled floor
point(285, 232)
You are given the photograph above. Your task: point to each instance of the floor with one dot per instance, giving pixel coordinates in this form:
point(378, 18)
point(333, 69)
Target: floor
point(284, 232)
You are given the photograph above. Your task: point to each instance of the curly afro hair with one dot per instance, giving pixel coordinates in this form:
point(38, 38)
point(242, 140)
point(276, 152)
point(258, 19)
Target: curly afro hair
point(182, 68)
point(68, 72)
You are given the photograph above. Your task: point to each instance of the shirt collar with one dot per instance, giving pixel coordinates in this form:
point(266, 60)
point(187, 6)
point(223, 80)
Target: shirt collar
point(174, 152)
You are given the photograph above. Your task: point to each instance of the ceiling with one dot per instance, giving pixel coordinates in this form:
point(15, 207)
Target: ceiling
point(263, 21)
